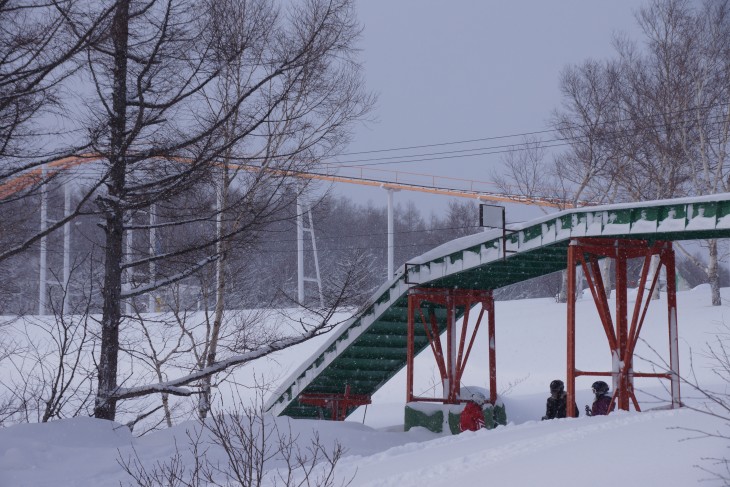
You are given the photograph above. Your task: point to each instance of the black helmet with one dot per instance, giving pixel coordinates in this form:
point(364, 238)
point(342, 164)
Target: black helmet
point(599, 388)
point(557, 386)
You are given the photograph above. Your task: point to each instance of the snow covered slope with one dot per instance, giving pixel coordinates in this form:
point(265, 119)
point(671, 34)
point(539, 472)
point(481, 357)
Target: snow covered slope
point(632, 449)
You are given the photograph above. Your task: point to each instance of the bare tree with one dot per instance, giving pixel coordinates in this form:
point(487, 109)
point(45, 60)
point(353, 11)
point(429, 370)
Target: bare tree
point(526, 173)
point(51, 377)
point(654, 101)
point(40, 55)
point(582, 173)
point(37, 54)
point(651, 125)
point(586, 122)
point(255, 451)
point(709, 399)
point(164, 343)
point(674, 107)
point(461, 219)
point(706, 136)
point(159, 135)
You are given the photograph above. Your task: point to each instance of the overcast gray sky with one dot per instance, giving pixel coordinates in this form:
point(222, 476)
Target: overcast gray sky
point(469, 69)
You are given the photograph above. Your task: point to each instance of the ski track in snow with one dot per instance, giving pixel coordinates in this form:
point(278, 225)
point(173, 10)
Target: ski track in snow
point(393, 468)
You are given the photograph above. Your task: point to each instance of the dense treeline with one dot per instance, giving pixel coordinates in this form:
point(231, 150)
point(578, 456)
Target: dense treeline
point(262, 270)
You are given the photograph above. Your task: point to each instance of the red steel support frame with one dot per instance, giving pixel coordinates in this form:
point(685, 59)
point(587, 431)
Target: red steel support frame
point(338, 404)
point(623, 337)
point(452, 361)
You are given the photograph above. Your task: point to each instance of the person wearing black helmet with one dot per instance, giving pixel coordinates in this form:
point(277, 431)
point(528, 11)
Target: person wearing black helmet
point(557, 402)
point(602, 402)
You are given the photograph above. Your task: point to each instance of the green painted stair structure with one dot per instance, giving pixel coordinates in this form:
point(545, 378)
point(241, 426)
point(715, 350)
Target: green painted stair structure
point(370, 348)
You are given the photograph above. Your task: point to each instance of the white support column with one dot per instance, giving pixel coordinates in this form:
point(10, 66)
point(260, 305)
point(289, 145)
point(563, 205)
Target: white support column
point(671, 273)
point(128, 239)
point(43, 249)
point(318, 279)
point(152, 251)
point(300, 252)
point(451, 352)
point(674, 356)
point(390, 235)
point(219, 242)
point(66, 246)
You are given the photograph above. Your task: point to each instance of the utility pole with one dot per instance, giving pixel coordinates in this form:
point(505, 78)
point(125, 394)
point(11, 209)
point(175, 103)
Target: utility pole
point(43, 251)
point(66, 246)
point(300, 252)
point(153, 251)
point(391, 246)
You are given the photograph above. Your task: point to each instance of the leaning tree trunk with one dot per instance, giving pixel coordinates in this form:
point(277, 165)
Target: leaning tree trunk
point(713, 275)
point(607, 276)
point(563, 294)
point(579, 282)
point(653, 266)
point(105, 405)
point(220, 289)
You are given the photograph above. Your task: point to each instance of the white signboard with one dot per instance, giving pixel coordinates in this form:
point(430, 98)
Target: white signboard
point(491, 216)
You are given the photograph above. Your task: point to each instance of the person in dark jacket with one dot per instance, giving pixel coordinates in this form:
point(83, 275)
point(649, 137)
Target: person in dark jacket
point(557, 403)
point(472, 417)
point(602, 402)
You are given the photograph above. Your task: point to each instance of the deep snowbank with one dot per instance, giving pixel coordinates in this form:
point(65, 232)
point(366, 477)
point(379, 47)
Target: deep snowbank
point(625, 448)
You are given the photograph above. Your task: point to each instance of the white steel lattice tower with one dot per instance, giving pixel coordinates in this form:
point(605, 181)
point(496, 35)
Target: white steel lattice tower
point(301, 278)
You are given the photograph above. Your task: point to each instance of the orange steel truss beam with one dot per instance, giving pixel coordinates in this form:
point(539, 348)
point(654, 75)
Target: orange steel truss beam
point(486, 196)
point(622, 334)
point(35, 176)
point(452, 361)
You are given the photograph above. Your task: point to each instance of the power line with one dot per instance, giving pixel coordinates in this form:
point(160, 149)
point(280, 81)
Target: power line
point(440, 144)
point(356, 235)
point(446, 157)
point(330, 249)
point(535, 132)
point(499, 149)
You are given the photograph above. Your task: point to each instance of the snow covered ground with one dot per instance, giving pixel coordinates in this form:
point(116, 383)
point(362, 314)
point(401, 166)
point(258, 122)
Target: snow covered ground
point(626, 448)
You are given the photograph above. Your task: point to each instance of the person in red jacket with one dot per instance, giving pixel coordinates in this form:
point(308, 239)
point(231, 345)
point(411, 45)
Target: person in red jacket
point(472, 417)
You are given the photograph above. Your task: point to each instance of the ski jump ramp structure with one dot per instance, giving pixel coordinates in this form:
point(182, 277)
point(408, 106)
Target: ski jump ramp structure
point(440, 291)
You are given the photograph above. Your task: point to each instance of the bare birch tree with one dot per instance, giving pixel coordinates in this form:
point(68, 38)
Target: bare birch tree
point(158, 127)
point(674, 101)
point(586, 121)
point(706, 135)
